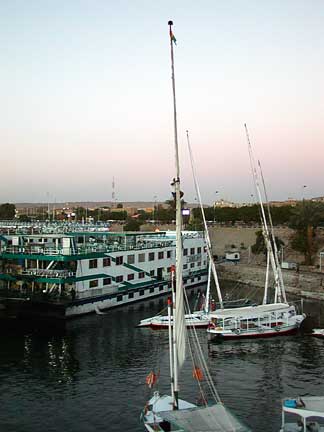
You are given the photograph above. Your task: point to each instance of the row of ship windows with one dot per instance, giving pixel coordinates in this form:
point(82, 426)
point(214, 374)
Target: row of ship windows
point(106, 262)
point(150, 290)
point(141, 275)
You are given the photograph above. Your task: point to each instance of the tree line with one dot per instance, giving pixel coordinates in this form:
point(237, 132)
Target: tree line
point(304, 218)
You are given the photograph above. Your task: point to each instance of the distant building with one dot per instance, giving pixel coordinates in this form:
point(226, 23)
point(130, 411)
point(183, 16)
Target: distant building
point(289, 202)
point(232, 255)
point(318, 199)
point(223, 203)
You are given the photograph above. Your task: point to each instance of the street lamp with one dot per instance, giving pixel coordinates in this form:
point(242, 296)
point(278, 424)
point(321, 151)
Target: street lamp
point(154, 207)
point(215, 206)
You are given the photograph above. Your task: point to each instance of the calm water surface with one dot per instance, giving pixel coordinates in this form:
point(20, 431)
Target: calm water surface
point(90, 376)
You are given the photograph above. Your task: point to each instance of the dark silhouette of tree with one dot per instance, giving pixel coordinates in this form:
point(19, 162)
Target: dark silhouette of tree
point(7, 211)
point(260, 245)
point(305, 218)
point(132, 225)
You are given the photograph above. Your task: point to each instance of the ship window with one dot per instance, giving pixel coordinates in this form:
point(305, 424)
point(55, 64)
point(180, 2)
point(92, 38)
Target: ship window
point(106, 262)
point(119, 260)
point(131, 295)
point(151, 290)
point(199, 264)
point(141, 293)
point(185, 266)
point(192, 279)
point(161, 255)
point(107, 281)
point(141, 275)
point(192, 251)
point(141, 257)
point(152, 273)
point(168, 254)
point(130, 276)
point(161, 288)
point(130, 259)
point(151, 256)
point(199, 278)
point(185, 252)
point(119, 298)
point(119, 278)
point(93, 283)
point(192, 265)
point(93, 263)
point(199, 250)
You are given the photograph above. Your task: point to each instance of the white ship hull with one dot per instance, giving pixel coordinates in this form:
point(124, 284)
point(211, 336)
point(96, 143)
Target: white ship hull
point(91, 305)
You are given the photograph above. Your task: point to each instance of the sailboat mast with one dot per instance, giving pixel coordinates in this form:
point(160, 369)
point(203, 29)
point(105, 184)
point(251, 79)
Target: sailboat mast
point(263, 217)
point(209, 247)
point(178, 331)
point(282, 286)
point(170, 303)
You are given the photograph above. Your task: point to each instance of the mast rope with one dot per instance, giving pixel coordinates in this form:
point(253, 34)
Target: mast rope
point(197, 353)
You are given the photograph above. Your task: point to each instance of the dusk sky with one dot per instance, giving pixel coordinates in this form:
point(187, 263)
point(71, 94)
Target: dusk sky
point(86, 96)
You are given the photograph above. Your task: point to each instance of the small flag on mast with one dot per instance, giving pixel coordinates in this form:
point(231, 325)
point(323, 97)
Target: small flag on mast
point(172, 37)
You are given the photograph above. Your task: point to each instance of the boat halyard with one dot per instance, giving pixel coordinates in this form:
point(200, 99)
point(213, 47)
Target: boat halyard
point(76, 272)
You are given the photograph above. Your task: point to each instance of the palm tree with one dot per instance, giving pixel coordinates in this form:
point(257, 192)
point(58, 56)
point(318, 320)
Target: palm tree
point(305, 218)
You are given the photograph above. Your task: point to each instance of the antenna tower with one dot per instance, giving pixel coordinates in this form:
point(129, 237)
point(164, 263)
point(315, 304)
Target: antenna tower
point(113, 195)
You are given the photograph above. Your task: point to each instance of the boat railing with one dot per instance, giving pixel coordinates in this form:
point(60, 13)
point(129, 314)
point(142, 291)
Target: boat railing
point(80, 250)
point(48, 273)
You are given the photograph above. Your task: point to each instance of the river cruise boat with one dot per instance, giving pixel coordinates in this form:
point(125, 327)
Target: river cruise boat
point(303, 415)
point(62, 273)
point(261, 321)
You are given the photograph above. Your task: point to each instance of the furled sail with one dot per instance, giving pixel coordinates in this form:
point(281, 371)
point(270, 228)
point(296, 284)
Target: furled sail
point(180, 324)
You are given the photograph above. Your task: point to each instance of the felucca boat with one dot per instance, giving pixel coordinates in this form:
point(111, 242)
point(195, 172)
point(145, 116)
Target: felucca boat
point(269, 319)
point(165, 413)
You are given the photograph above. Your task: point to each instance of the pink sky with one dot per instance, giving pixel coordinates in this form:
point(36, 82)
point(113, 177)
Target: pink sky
point(89, 98)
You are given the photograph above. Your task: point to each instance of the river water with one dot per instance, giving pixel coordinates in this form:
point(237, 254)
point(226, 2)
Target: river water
point(90, 375)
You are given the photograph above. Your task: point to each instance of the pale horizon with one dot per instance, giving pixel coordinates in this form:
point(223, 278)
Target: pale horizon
point(86, 96)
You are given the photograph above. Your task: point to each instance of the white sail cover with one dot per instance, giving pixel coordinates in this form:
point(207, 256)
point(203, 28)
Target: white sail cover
point(180, 323)
point(214, 418)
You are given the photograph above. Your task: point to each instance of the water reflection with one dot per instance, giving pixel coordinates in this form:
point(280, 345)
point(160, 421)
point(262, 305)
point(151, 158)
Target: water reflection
point(86, 375)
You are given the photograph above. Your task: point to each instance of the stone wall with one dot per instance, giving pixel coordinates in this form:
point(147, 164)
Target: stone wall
point(303, 283)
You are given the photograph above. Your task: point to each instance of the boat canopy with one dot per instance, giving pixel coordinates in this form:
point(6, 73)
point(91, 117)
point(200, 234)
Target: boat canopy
point(249, 311)
point(214, 418)
point(314, 406)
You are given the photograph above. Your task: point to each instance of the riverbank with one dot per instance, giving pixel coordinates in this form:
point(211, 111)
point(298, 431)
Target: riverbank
point(303, 283)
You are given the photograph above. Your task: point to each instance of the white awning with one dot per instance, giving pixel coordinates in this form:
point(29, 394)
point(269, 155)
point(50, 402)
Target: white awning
point(314, 407)
point(250, 311)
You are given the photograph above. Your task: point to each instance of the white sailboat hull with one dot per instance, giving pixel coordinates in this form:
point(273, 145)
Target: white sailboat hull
point(261, 321)
point(160, 417)
point(159, 322)
point(260, 333)
point(319, 333)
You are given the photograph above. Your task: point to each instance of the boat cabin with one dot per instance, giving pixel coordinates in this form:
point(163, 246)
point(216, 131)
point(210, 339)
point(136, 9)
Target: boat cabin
point(303, 414)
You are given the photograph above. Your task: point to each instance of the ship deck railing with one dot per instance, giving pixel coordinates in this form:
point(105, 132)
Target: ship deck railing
point(48, 273)
point(82, 250)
